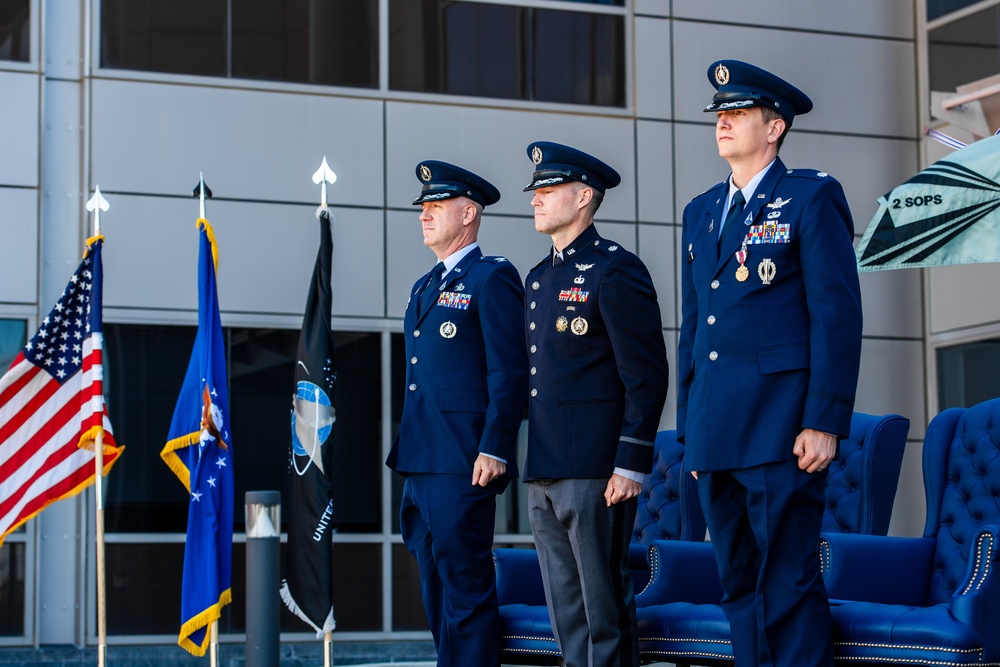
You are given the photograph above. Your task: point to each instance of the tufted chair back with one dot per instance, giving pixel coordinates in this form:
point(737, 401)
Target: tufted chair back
point(669, 508)
point(861, 482)
point(962, 478)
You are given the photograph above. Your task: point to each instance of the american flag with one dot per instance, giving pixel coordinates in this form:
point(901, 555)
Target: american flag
point(52, 403)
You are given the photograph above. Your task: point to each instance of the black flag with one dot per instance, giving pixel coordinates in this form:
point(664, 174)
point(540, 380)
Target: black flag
point(308, 583)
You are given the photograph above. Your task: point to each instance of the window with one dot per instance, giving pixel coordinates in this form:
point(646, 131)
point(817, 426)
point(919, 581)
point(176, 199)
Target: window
point(510, 52)
point(938, 8)
point(303, 41)
point(15, 27)
point(964, 50)
point(14, 552)
point(144, 369)
point(968, 374)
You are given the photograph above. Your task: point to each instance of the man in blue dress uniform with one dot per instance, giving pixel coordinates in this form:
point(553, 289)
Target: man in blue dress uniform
point(466, 386)
point(767, 362)
point(598, 384)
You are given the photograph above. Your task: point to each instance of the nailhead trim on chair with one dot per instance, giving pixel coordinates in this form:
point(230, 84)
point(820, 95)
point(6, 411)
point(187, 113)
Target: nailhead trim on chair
point(654, 567)
point(533, 651)
point(906, 647)
point(978, 578)
point(824, 556)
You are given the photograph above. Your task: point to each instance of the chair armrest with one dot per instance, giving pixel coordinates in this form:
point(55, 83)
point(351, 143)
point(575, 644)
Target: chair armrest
point(977, 601)
point(873, 568)
point(638, 565)
point(681, 572)
point(519, 577)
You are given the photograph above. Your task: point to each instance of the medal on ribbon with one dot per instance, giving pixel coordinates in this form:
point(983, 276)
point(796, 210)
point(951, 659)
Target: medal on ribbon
point(743, 272)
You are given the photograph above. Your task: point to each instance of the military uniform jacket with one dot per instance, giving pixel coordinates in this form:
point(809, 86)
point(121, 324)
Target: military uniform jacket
point(598, 362)
point(466, 370)
point(760, 359)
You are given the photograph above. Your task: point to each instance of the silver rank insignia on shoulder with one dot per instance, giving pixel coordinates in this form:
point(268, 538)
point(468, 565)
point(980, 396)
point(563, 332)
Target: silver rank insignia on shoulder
point(448, 329)
point(579, 280)
point(579, 326)
point(779, 202)
point(584, 267)
point(611, 248)
point(501, 259)
point(822, 174)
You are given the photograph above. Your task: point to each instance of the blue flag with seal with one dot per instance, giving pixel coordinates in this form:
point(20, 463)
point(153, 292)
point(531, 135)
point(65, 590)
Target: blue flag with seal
point(199, 451)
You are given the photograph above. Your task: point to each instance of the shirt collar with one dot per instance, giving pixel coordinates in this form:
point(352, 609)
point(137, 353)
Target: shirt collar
point(452, 260)
point(750, 188)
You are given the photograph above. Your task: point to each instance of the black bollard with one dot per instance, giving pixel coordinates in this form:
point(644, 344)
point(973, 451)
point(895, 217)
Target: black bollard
point(263, 510)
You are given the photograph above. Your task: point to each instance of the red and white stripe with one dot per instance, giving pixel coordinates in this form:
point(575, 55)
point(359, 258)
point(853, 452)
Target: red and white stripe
point(41, 423)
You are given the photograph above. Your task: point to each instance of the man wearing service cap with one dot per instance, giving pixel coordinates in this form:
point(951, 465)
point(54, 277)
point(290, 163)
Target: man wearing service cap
point(466, 385)
point(767, 364)
point(598, 382)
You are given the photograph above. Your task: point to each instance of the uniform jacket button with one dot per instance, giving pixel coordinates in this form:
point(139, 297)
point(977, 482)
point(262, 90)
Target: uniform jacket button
point(534, 392)
point(416, 333)
point(413, 387)
point(713, 355)
point(711, 319)
point(715, 284)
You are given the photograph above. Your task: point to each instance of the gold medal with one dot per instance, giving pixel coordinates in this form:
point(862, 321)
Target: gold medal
point(448, 330)
point(562, 324)
point(743, 272)
point(579, 326)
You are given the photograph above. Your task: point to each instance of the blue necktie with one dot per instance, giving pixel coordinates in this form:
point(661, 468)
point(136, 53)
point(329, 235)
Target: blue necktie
point(733, 217)
point(431, 291)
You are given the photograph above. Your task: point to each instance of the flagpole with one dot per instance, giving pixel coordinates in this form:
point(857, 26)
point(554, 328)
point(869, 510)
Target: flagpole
point(102, 630)
point(202, 192)
point(213, 650)
point(323, 176)
point(96, 204)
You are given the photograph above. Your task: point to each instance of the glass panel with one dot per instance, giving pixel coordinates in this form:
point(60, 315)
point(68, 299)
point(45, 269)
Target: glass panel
point(968, 374)
point(578, 58)
point(357, 586)
point(965, 50)
point(12, 565)
point(15, 30)
point(397, 361)
point(144, 369)
point(938, 8)
point(486, 50)
point(143, 587)
point(179, 36)
point(407, 605)
point(311, 41)
point(13, 336)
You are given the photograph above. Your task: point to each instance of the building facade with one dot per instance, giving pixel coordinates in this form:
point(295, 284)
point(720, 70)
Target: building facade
point(139, 97)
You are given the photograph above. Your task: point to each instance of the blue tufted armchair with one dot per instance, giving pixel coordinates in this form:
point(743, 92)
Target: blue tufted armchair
point(933, 600)
point(668, 510)
point(679, 616)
